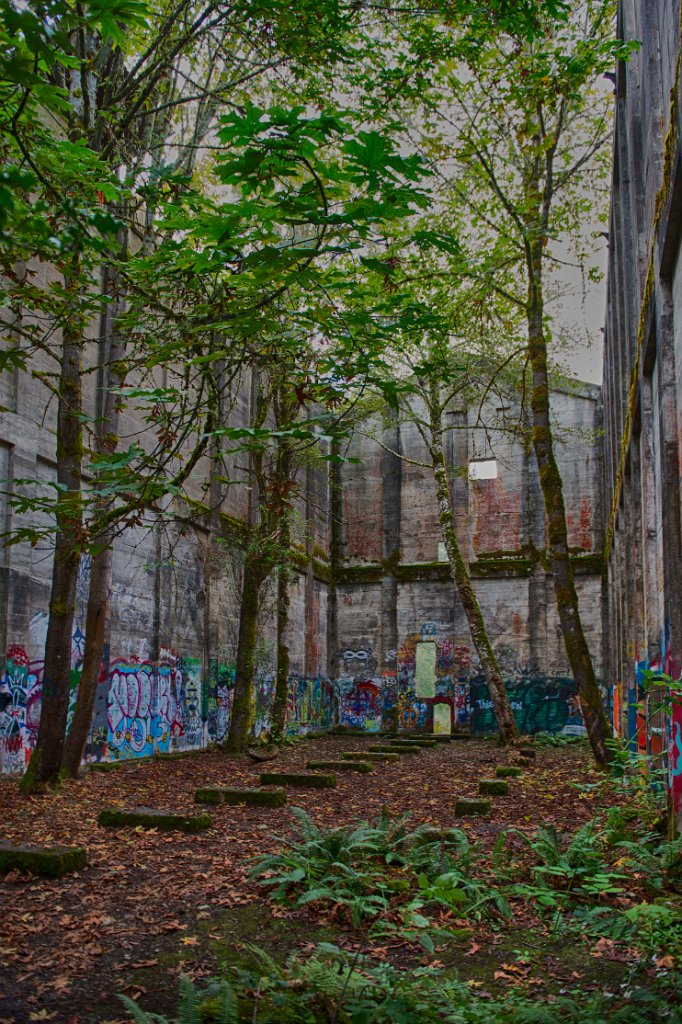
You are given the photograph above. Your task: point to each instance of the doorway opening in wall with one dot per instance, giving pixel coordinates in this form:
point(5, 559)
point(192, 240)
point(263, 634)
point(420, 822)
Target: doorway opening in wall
point(442, 719)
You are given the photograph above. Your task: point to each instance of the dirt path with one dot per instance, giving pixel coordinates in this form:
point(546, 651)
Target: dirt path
point(67, 946)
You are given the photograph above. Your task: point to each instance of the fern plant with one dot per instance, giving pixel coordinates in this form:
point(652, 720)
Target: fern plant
point(660, 862)
point(217, 1003)
point(577, 867)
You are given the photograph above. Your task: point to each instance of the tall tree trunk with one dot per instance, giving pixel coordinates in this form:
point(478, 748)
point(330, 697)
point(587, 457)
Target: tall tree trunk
point(591, 705)
point(112, 349)
point(279, 705)
point(509, 730)
point(281, 697)
point(44, 767)
point(241, 718)
point(96, 620)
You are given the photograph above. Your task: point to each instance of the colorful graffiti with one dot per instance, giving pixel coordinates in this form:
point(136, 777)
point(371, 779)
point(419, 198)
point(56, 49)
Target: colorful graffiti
point(360, 705)
point(443, 696)
point(20, 699)
point(654, 721)
point(154, 707)
point(675, 755)
point(218, 700)
point(150, 706)
point(311, 704)
point(540, 704)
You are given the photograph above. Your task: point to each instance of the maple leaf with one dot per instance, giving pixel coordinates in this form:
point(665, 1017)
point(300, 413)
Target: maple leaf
point(189, 940)
point(61, 983)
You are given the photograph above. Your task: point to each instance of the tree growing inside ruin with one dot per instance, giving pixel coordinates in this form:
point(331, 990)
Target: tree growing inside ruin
point(94, 95)
point(84, 156)
point(518, 130)
point(443, 358)
point(533, 127)
point(89, 114)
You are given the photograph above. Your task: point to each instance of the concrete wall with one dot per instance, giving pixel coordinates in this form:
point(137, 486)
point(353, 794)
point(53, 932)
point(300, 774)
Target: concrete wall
point(167, 674)
point(643, 384)
point(404, 655)
point(377, 634)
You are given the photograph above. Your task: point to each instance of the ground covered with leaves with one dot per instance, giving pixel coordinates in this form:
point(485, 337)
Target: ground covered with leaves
point(562, 904)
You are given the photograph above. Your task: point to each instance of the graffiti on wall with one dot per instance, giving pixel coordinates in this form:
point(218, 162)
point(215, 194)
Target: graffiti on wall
point(437, 687)
point(311, 704)
point(540, 704)
point(20, 697)
point(154, 706)
point(654, 719)
point(151, 706)
point(360, 704)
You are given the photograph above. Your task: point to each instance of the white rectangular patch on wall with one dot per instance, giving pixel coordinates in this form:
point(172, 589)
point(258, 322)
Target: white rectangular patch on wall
point(425, 670)
point(483, 469)
point(442, 552)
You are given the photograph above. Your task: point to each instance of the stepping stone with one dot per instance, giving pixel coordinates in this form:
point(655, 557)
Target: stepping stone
point(48, 861)
point(313, 780)
point(432, 834)
point(377, 748)
point(493, 787)
point(528, 752)
point(152, 817)
point(371, 755)
point(175, 755)
point(506, 771)
point(252, 797)
point(414, 743)
point(432, 737)
point(410, 748)
point(341, 766)
point(126, 762)
point(465, 808)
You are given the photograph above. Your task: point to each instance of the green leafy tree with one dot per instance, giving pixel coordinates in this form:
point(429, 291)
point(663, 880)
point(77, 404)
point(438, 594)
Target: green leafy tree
point(517, 125)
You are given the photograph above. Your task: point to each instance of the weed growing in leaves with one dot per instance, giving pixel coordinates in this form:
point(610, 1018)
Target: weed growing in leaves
point(367, 869)
point(575, 870)
point(332, 987)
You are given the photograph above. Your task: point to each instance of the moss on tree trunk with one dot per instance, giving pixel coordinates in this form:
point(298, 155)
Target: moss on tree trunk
point(112, 375)
point(508, 729)
point(243, 701)
point(281, 696)
point(579, 657)
point(44, 767)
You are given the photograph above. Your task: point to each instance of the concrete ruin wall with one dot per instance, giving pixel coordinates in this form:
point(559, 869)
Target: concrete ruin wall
point(404, 655)
point(168, 668)
point(369, 600)
point(643, 384)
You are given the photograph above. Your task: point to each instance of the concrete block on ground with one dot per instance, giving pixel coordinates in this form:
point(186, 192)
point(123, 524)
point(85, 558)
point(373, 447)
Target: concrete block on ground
point(314, 780)
point(48, 861)
point(235, 797)
point(493, 787)
point(371, 755)
point(340, 766)
point(152, 817)
point(465, 808)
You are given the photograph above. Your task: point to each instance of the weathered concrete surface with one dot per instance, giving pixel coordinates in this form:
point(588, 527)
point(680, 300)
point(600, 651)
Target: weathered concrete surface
point(368, 593)
point(643, 386)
